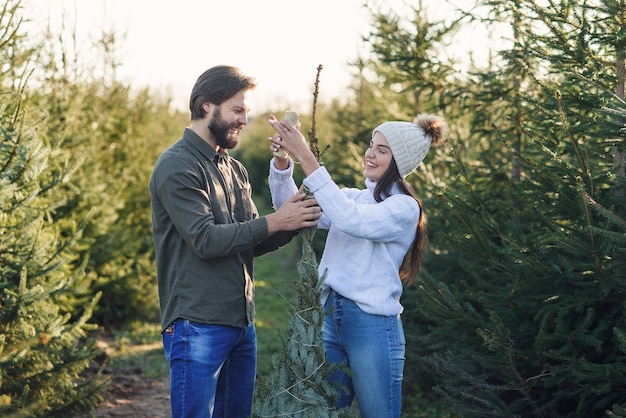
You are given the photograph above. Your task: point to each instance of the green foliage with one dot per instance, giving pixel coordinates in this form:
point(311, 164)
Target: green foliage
point(45, 350)
point(531, 314)
point(300, 387)
point(406, 61)
point(75, 231)
point(117, 134)
point(520, 311)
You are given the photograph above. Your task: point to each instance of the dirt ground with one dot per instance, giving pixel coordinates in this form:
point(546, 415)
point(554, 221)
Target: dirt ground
point(133, 395)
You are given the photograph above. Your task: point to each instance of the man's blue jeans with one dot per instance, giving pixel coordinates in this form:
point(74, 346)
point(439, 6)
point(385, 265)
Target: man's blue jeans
point(372, 347)
point(212, 369)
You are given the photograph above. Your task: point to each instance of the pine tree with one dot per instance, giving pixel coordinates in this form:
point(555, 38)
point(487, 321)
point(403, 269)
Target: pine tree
point(531, 323)
point(414, 75)
point(521, 304)
point(300, 387)
point(115, 132)
point(44, 350)
point(46, 346)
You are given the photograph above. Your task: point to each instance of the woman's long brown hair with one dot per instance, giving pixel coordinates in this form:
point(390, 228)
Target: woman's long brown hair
point(436, 128)
point(412, 263)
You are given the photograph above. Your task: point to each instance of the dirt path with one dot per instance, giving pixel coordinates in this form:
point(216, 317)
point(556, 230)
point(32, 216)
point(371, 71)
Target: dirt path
point(132, 395)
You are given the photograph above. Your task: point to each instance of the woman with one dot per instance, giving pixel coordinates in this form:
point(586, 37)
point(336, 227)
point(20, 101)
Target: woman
point(375, 241)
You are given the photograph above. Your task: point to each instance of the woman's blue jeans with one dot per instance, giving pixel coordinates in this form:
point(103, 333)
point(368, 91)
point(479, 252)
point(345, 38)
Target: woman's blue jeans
point(212, 369)
point(372, 347)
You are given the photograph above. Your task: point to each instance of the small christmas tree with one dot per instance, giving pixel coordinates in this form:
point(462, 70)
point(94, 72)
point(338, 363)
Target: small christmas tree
point(300, 387)
point(45, 346)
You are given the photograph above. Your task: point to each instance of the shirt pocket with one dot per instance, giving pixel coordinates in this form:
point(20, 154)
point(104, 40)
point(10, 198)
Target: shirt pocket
point(244, 208)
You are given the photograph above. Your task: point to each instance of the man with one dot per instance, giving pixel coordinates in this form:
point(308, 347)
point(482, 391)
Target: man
point(206, 232)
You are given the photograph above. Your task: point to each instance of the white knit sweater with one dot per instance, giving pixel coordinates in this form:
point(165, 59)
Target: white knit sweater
point(366, 242)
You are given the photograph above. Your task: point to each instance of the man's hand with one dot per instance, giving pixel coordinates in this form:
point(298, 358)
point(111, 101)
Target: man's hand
point(296, 213)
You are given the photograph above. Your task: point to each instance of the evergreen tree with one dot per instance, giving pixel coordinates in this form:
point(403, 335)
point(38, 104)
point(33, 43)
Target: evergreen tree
point(117, 133)
point(47, 344)
point(520, 310)
point(413, 74)
point(46, 347)
point(532, 320)
point(300, 387)
point(408, 61)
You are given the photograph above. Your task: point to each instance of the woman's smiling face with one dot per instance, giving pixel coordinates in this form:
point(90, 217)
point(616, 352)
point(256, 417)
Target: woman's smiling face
point(377, 157)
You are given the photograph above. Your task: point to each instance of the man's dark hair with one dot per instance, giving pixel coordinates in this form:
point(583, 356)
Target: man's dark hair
point(216, 85)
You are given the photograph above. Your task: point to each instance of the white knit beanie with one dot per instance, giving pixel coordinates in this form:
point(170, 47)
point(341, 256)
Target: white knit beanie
point(410, 141)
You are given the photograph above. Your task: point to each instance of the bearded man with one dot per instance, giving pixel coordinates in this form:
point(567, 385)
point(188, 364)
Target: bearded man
point(207, 231)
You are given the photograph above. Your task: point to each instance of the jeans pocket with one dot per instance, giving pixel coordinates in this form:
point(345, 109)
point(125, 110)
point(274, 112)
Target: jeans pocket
point(168, 340)
point(397, 330)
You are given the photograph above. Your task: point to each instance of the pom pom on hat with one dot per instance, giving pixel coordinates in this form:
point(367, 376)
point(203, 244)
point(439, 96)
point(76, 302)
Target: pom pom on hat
point(410, 141)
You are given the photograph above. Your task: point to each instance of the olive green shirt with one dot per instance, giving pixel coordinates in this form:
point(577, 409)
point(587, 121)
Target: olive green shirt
point(206, 232)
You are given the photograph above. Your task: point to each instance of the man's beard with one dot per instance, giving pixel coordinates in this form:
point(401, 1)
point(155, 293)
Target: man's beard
point(220, 129)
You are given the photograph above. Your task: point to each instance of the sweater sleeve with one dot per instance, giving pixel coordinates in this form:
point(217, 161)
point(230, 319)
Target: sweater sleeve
point(376, 221)
point(282, 185)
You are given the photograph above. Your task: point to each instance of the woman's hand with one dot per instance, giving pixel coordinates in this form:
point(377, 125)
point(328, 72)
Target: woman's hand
point(281, 157)
point(291, 140)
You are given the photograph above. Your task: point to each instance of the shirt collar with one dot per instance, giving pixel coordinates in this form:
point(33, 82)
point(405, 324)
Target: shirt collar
point(201, 145)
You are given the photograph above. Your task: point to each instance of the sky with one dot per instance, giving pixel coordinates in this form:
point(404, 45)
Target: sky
point(167, 45)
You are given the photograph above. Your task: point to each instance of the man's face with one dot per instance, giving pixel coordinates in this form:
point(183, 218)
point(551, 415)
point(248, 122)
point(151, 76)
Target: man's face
point(228, 120)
